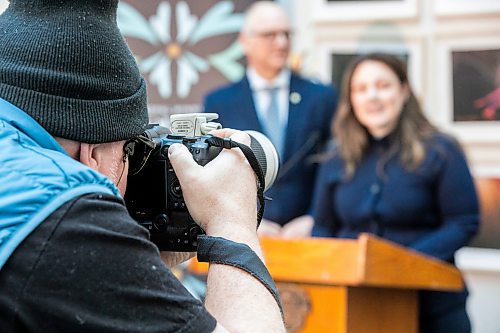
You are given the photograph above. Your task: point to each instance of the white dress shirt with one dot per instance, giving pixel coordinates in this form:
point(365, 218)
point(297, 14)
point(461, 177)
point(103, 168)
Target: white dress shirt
point(261, 96)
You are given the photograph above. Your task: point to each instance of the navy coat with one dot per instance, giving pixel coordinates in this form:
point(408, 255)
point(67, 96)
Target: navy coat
point(309, 118)
point(433, 209)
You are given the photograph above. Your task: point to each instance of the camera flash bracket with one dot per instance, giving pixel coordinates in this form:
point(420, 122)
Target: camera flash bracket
point(193, 124)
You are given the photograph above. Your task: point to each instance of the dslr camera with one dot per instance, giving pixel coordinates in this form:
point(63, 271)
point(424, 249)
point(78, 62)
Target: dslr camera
point(154, 195)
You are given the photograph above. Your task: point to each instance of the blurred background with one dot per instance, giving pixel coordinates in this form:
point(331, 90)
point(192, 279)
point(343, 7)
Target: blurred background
point(451, 48)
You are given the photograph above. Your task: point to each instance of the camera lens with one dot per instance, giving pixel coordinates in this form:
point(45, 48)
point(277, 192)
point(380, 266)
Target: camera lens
point(266, 156)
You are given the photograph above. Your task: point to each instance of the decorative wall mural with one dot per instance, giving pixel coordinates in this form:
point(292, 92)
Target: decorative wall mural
point(183, 48)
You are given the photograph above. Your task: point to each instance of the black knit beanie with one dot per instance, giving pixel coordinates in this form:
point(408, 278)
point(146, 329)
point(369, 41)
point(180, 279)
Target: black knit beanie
point(65, 63)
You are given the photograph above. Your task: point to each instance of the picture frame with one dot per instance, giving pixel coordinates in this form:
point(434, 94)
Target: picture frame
point(363, 10)
point(465, 7)
point(466, 71)
point(343, 50)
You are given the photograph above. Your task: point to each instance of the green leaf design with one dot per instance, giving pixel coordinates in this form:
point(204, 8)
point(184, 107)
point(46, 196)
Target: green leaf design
point(147, 65)
point(186, 77)
point(133, 24)
point(199, 63)
point(226, 62)
point(186, 22)
point(161, 77)
point(217, 21)
point(160, 22)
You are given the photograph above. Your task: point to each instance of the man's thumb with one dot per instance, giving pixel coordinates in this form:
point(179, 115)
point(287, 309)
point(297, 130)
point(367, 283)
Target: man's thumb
point(181, 159)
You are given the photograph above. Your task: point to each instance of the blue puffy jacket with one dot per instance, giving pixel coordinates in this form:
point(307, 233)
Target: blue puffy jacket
point(37, 177)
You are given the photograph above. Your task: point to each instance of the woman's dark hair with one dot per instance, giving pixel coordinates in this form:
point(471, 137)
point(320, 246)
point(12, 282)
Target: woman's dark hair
point(409, 136)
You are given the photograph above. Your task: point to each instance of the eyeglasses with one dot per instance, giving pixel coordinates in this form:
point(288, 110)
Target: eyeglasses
point(273, 35)
point(138, 150)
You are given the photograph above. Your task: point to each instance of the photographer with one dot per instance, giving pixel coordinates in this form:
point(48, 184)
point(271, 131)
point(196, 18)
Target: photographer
point(71, 257)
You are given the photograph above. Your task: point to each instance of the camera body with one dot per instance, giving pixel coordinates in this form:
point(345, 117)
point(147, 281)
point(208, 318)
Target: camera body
point(154, 196)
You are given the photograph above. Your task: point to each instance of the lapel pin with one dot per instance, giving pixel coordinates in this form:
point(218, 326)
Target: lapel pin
point(295, 97)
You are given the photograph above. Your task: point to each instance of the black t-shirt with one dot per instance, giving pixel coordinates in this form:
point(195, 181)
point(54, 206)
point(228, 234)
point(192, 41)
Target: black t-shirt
point(89, 267)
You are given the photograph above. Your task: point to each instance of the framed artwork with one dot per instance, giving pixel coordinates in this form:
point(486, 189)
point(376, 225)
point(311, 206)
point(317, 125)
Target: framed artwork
point(335, 56)
point(363, 10)
point(476, 85)
point(468, 88)
point(465, 7)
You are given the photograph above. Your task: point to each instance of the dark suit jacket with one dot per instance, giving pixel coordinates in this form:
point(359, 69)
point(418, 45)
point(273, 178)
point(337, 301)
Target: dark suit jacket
point(433, 209)
point(308, 129)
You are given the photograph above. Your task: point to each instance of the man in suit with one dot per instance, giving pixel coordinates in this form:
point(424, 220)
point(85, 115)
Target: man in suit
point(293, 112)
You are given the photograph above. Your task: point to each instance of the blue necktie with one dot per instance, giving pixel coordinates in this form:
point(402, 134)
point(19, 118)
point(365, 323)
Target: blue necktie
point(272, 124)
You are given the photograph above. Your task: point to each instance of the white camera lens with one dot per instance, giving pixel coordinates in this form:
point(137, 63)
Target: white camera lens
point(266, 155)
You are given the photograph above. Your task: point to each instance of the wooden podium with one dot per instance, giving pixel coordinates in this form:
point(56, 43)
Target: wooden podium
point(341, 285)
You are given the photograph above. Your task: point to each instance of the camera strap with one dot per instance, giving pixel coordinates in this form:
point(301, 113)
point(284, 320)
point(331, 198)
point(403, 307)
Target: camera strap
point(227, 143)
point(223, 251)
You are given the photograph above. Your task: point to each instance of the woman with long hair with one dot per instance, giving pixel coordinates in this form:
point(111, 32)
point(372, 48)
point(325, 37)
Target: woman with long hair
point(392, 173)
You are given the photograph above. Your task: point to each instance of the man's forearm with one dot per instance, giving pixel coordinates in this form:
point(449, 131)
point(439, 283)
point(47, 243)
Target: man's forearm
point(239, 301)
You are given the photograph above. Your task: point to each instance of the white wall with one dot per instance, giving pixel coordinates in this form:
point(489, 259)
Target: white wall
point(481, 270)
point(428, 30)
point(3, 5)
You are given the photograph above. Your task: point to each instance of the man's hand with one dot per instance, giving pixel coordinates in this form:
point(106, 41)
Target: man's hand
point(269, 228)
point(220, 196)
point(172, 259)
point(298, 227)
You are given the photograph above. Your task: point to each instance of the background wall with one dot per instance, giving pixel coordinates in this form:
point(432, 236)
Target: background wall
point(438, 38)
point(428, 32)
point(3, 5)
point(433, 35)
point(481, 271)
point(452, 48)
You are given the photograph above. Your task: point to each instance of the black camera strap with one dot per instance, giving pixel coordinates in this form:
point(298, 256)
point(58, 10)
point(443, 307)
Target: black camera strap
point(223, 251)
point(226, 252)
point(250, 156)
